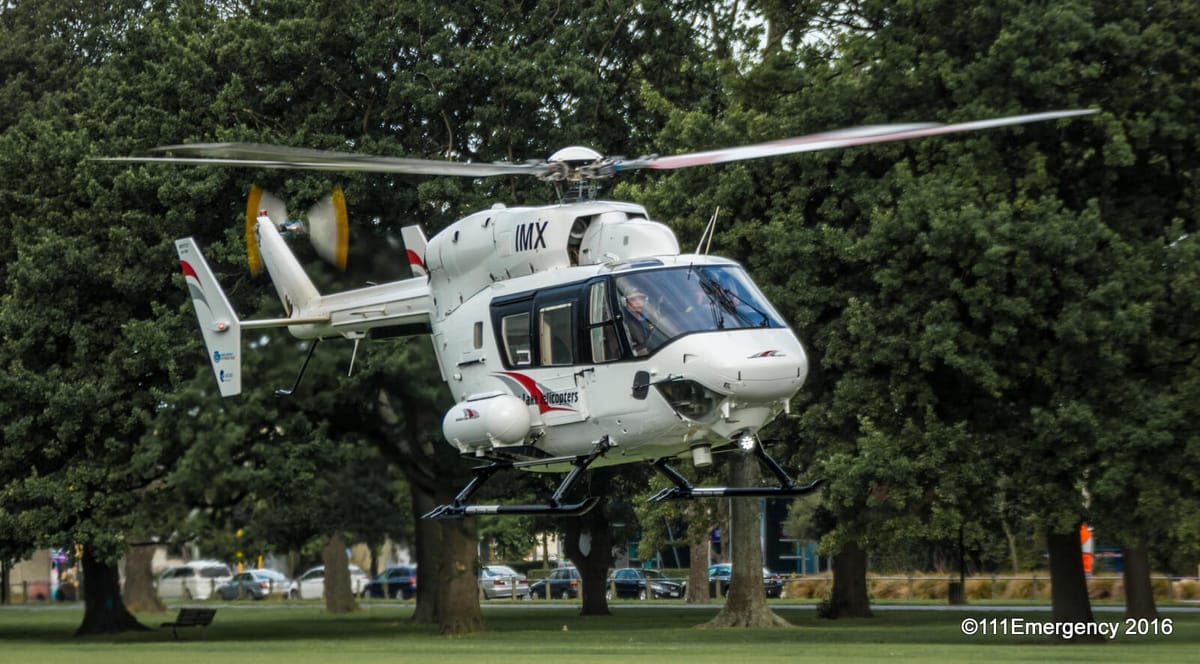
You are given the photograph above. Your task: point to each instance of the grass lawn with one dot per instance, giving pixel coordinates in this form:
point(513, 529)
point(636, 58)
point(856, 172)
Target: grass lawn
point(279, 632)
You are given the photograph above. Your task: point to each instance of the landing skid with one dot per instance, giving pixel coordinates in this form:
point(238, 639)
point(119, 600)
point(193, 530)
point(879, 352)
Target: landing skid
point(555, 507)
point(683, 489)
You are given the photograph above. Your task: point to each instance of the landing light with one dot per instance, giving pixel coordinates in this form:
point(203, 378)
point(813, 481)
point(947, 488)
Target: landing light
point(747, 442)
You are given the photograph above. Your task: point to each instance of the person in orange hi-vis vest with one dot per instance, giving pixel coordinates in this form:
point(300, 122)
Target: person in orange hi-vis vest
point(1089, 547)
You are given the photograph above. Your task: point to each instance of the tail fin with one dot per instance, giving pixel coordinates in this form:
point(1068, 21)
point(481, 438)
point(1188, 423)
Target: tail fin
point(296, 291)
point(414, 246)
point(219, 324)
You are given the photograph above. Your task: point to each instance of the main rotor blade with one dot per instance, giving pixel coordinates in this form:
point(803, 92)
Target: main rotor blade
point(273, 156)
point(834, 139)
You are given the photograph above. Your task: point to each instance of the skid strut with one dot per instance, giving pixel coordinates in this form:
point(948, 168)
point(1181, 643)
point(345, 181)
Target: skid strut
point(683, 489)
point(555, 507)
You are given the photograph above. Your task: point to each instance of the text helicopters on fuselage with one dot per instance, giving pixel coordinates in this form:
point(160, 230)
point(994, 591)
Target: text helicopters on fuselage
point(570, 335)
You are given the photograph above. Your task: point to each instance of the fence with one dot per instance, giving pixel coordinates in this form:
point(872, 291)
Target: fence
point(910, 587)
point(990, 587)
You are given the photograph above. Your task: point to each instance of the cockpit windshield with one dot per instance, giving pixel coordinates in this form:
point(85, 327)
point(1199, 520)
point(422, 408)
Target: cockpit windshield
point(660, 305)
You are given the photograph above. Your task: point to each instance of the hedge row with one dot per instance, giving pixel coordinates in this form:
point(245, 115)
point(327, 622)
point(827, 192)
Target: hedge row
point(1031, 587)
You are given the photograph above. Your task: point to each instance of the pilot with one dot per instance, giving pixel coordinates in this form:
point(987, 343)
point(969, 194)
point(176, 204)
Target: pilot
point(637, 324)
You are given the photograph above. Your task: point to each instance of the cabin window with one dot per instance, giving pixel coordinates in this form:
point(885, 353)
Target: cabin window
point(556, 335)
point(478, 334)
point(602, 330)
point(517, 344)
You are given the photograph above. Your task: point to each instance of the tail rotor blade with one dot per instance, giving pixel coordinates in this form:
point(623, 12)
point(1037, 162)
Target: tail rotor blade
point(260, 201)
point(329, 228)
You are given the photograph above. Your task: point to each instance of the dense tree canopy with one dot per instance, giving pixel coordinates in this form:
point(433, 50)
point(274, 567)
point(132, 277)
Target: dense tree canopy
point(1000, 325)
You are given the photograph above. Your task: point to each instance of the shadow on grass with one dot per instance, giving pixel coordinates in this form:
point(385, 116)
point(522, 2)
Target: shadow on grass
point(555, 631)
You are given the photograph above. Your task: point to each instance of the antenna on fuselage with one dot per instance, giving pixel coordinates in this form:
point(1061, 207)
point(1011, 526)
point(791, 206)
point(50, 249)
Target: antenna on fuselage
point(709, 231)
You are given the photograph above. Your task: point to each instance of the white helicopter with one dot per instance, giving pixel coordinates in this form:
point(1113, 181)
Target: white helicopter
point(570, 335)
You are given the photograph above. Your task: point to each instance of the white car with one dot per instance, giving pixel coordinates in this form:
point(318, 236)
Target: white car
point(311, 584)
point(502, 581)
point(193, 580)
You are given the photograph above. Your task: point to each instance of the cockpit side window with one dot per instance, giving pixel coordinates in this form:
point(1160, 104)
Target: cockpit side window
point(602, 330)
point(556, 335)
point(518, 345)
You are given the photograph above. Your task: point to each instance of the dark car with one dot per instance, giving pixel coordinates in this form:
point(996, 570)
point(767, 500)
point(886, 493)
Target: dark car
point(633, 582)
point(562, 583)
point(718, 581)
point(395, 581)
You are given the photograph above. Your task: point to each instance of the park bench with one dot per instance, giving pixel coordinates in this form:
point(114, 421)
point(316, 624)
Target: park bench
point(191, 618)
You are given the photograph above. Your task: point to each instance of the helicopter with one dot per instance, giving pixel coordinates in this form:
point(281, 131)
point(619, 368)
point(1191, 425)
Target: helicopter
point(571, 335)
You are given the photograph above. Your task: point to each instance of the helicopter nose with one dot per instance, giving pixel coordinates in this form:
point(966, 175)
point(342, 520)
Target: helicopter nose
point(767, 375)
point(752, 366)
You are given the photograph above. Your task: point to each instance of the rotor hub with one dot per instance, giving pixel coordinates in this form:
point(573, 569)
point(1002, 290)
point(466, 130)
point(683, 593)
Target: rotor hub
point(576, 164)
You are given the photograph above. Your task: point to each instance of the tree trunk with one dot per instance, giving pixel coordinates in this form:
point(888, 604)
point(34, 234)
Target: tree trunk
point(457, 569)
point(339, 596)
point(1139, 592)
point(428, 545)
point(746, 603)
point(697, 583)
point(1012, 545)
point(849, 596)
point(447, 566)
point(589, 547)
point(104, 611)
point(447, 557)
point(1068, 584)
point(139, 591)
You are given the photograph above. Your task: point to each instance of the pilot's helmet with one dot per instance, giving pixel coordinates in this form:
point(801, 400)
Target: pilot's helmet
point(635, 293)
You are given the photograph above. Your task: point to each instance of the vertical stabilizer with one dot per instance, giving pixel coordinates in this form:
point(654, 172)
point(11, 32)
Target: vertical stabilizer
point(219, 324)
point(414, 246)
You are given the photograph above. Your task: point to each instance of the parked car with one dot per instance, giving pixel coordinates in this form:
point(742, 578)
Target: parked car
point(502, 581)
point(311, 584)
point(395, 581)
point(193, 580)
point(638, 583)
point(561, 583)
point(254, 584)
point(718, 581)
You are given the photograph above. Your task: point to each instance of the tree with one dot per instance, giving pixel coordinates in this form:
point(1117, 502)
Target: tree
point(695, 521)
point(950, 291)
point(589, 545)
point(746, 603)
point(87, 349)
point(132, 77)
point(447, 547)
point(138, 591)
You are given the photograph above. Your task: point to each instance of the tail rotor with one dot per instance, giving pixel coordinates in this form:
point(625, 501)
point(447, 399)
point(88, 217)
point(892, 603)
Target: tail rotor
point(326, 225)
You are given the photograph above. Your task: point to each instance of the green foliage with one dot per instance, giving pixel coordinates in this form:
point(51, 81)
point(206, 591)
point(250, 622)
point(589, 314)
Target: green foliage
point(1002, 326)
point(986, 314)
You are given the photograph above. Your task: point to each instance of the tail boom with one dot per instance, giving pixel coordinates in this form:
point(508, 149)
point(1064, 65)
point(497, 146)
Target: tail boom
point(397, 308)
